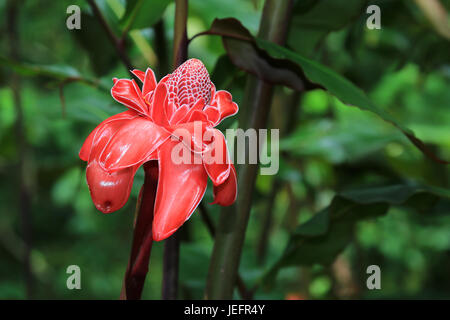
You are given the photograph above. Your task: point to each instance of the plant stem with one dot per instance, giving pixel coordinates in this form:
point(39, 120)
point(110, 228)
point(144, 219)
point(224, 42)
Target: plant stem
point(161, 48)
point(172, 244)
point(170, 267)
point(267, 222)
point(234, 219)
point(142, 237)
point(288, 122)
point(242, 288)
point(180, 33)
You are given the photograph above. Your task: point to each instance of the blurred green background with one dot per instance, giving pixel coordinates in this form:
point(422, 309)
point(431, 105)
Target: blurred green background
point(62, 78)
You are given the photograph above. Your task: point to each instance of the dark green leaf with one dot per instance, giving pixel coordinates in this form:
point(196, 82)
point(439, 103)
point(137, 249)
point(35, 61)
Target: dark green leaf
point(244, 53)
point(323, 237)
point(141, 14)
point(343, 89)
point(224, 72)
point(278, 65)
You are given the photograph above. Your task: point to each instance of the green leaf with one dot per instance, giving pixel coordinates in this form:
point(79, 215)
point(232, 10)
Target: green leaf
point(324, 236)
point(223, 72)
point(337, 142)
point(278, 65)
point(61, 73)
point(141, 14)
point(53, 71)
point(245, 54)
point(313, 20)
point(343, 89)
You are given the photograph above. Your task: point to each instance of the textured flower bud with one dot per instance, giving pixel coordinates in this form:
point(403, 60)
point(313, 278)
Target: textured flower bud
point(188, 83)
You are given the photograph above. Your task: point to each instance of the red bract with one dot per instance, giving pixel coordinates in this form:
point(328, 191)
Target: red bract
point(158, 117)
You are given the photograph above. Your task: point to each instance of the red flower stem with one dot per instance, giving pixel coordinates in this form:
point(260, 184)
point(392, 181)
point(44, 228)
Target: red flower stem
point(172, 244)
point(230, 233)
point(142, 238)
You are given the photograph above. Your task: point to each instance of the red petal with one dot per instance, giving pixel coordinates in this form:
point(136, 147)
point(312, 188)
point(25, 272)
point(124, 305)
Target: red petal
point(225, 194)
point(149, 82)
point(191, 134)
point(109, 191)
point(179, 114)
point(213, 115)
point(198, 115)
point(170, 110)
point(87, 145)
point(139, 74)
point(216, 160)
point(132, 143)
point(128, 93)
point(198, 106)
point(159, 105)
point(180, 189)
point(213, 90)
point(225, 104)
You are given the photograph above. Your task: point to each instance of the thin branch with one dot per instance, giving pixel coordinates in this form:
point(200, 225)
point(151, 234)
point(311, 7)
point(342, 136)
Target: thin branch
point(116, 41)
point(141, 247)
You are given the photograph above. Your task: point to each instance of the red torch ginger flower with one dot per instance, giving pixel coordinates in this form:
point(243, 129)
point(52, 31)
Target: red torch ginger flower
point(177, 114)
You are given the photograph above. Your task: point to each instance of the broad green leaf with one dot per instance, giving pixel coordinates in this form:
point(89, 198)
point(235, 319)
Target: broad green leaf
point(337, 142)
point(326, 234)
point(244, 53)
point(140, 14)
point(278, 65)
point(342, 88)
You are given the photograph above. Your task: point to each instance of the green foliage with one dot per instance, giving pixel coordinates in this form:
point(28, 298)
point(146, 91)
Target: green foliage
point(141, 14)
point(395, 215)
point(323, 237)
